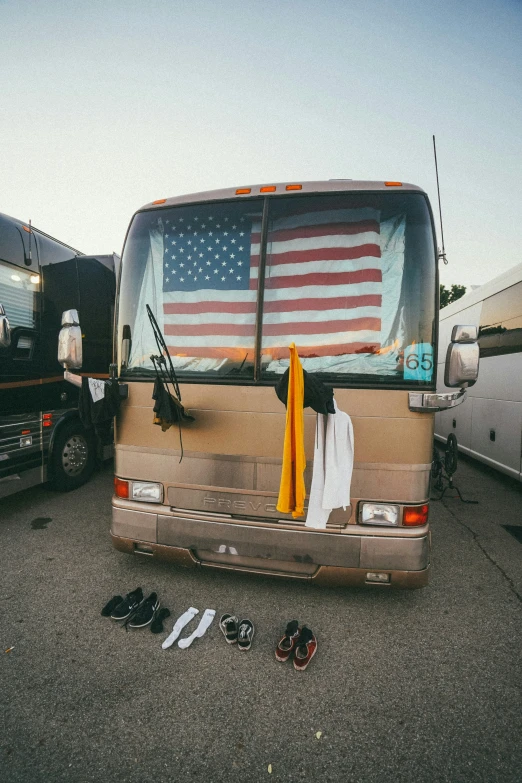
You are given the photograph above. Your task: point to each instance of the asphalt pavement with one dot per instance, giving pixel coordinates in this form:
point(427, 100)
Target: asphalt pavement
point(406, 686)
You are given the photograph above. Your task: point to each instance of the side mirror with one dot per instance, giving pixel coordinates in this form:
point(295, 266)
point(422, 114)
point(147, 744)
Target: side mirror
point(5, 329)
point(464, 334)
point(70, 341)
point(462, 358)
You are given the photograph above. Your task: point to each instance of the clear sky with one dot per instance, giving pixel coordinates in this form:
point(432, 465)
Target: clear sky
point(105, 106)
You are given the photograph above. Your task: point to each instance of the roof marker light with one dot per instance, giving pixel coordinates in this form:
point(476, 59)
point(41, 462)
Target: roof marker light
point(267, 189)
point(243, 191)
point(26, 229)
point(294, 187)
point(393, 184)
point(159, 201)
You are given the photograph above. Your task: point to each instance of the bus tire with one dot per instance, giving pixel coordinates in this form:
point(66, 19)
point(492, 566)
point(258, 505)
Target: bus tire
point(73, 457)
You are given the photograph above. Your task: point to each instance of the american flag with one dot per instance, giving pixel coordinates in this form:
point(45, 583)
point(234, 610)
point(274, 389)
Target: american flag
point(323, 283)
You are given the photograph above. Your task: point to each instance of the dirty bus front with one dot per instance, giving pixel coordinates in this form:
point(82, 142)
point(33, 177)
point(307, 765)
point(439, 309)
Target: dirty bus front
point(345, 270)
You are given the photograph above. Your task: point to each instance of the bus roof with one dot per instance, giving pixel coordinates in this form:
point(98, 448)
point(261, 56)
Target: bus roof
point(24, 225)
point(282, 188)
point(499, 283)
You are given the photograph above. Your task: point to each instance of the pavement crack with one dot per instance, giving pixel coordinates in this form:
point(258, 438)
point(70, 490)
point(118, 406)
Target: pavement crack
point(476, 540)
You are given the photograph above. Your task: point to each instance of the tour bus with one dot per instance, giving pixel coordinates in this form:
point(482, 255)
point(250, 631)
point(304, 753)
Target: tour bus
point(489, 426)
point(345, 270)
point(41, 436)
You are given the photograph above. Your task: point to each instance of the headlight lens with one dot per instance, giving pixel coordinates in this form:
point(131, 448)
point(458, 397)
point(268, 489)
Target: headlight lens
point(147, 490)
point(379, 514)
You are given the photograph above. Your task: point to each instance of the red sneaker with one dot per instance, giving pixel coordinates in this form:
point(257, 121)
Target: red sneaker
point(305, 649)
point(287, 644)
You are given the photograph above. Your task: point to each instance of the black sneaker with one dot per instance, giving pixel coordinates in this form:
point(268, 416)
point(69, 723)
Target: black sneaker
point(246, 634)
point(229, 625)
point(111, 605)
point(157, 625)
point(129, 605)
point(145, 613)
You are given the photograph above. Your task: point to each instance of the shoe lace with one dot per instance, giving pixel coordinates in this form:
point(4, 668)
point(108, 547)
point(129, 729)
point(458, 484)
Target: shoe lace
point(305, 637)
point(243, 630)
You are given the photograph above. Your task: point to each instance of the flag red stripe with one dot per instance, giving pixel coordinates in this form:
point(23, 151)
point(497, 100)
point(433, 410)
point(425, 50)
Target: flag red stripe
point(321, 254)
point(193, 330)
point(333, 303)
point(325, 278)
point(273, 330)
point(321, 327)
point(193, 308)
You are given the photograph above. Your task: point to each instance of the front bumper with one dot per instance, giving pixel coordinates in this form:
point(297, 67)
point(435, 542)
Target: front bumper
point(324, 557)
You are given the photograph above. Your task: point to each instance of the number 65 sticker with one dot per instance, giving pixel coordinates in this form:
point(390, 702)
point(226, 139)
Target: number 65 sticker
point(418, 362)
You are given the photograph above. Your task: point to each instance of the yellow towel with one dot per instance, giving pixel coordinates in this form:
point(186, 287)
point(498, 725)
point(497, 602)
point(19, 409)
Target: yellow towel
point(292, 489)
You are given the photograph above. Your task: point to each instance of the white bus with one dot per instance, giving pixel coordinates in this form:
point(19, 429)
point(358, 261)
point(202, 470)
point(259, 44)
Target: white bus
point(488, 426)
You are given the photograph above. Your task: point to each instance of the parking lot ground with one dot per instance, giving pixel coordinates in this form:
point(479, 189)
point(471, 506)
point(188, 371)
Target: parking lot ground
point(406, 686)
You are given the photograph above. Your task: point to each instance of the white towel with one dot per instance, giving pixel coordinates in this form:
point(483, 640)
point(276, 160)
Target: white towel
point(333, 467)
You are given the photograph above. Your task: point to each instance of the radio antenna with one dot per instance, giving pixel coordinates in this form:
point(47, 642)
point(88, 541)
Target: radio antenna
point(442, 254)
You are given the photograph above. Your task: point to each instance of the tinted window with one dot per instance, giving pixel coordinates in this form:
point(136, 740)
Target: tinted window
point(51, 252)
point(18, 292)
point(501, 322)
point(11, 245)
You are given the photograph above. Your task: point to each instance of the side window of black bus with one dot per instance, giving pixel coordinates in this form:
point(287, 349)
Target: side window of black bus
point(19, 287)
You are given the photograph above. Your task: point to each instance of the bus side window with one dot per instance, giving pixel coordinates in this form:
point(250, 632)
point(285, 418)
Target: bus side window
point(501, 323)
point(11, 243)
point(18, 294)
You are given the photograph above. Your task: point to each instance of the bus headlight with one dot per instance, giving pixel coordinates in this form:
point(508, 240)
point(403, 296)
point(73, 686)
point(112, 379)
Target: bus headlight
point(378, 514)
point(149, 491)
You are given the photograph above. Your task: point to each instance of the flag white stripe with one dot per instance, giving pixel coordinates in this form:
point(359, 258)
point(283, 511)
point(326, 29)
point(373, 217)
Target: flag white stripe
point(209, 295)
point(319, 242)
point(311, 267)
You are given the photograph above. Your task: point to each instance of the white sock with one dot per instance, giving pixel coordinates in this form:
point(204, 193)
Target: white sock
point(204, 623)
point(180, 623)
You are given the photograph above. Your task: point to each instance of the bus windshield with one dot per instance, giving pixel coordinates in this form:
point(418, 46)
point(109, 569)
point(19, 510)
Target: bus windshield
point(348, 277)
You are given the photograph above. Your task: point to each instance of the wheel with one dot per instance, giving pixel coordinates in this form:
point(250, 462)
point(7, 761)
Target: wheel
point(451, 455)
point(73, 457)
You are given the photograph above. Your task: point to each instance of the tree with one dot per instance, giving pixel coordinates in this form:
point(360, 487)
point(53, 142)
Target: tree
point(448, 295)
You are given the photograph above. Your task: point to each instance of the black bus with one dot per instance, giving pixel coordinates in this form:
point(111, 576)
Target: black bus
point(41, 436)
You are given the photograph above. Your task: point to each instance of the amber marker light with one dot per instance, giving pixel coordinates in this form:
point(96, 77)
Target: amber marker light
point(121, 488)
point(294, 187)
point(414, 516)
point(393, 184)
point(243, 191)
point(267, 189)
point(26, 229)
point(159, 201)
